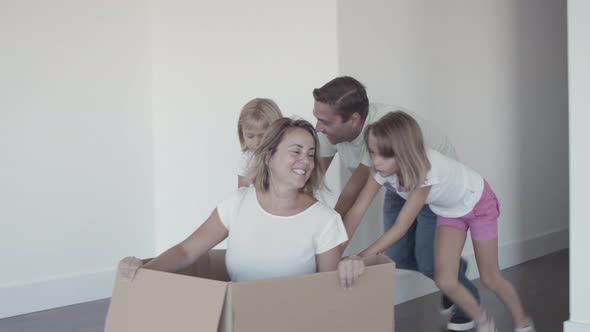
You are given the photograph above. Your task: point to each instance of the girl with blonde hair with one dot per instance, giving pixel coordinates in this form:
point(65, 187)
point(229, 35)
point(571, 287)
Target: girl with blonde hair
point(460, 198)
point(255, 118)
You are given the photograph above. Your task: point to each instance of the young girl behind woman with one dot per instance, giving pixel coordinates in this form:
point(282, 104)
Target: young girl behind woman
point(255, 118)
point(459, 196)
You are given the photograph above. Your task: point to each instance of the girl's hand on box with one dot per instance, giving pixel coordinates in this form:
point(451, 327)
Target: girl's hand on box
point(128, 266)
point(350, 270)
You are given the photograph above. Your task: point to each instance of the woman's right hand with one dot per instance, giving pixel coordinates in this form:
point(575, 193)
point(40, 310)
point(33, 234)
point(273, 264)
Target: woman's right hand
point(128, 266)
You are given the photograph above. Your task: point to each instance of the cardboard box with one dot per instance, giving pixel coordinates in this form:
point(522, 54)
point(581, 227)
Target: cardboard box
point(201, 298)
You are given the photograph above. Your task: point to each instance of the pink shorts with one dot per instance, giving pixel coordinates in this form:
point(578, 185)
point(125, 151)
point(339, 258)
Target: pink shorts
point(482, 220)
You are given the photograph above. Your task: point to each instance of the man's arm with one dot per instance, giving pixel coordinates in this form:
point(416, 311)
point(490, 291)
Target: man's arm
point(352, 189)
point(355, 214)
point(325, 163)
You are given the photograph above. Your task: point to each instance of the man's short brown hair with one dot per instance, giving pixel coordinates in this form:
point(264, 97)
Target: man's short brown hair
point(346, 95)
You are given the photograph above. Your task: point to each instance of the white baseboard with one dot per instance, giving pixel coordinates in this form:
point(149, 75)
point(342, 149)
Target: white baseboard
point(511, 254)
point(57, 292)
point(570, 326)
point(411, 285)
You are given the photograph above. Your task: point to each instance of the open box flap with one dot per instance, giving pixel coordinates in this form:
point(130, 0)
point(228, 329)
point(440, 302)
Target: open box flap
point(158, 301)
point(316, 302)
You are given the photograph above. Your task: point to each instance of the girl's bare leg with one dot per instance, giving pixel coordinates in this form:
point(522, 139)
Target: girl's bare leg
point(448, 246)
point(486, 254)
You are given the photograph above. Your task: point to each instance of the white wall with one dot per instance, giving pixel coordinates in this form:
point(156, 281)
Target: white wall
point(80, 186)
point(209, 60)
point(579, 101)
point(80, 85)
point(380, 43)
point(75, 149)
point(498, 85)
point(493, 76)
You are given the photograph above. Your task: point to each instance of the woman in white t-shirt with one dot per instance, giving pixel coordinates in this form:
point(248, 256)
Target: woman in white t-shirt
point(460, 197)
point(275, 228)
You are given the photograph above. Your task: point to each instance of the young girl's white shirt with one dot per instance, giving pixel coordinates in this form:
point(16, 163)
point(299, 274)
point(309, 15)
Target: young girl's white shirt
point(455, 187)
point(261, 245)
point(244, 162)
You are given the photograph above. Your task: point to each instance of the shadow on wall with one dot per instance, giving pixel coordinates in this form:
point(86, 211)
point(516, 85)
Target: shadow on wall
point(541, 116)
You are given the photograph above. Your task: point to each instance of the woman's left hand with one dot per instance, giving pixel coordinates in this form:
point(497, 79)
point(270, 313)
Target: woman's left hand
point(349, 271)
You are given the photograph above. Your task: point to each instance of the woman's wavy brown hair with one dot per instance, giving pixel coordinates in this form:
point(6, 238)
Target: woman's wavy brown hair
point(259, 170)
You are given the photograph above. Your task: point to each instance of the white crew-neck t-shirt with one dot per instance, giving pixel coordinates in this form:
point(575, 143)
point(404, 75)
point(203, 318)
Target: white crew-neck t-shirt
point(455, 187)
point(261, 245)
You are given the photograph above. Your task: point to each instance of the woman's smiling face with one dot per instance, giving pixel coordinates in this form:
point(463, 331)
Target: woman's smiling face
point(293, 161)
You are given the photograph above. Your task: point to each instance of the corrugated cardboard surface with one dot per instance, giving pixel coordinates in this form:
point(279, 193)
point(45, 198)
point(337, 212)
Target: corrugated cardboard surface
point(226, 324)
point(316, 302)
point(160, 302)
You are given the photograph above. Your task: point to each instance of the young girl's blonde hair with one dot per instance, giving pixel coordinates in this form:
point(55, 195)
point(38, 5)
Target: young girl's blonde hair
point(258, 112)
point(259, 170)
point(399, 136)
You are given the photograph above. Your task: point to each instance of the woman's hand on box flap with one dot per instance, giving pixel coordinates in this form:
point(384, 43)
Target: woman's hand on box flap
point(128, 266)
point(350, 270)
